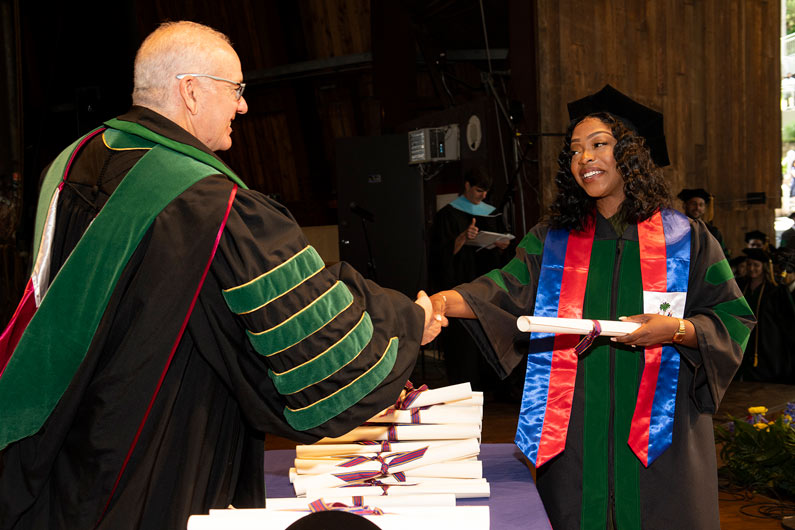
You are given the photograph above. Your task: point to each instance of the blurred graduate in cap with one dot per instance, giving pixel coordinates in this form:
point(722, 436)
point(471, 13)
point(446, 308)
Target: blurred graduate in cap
point(739, 269)
point(698, 204)
point(756, 239)
point(769, 355)
point(616, 444)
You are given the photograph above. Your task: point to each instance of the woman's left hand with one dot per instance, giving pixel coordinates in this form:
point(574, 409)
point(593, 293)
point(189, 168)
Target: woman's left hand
point(654, 329)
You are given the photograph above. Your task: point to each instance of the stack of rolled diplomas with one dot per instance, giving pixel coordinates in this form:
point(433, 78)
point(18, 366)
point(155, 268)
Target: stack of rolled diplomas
point(427, 443)
point(406, 465)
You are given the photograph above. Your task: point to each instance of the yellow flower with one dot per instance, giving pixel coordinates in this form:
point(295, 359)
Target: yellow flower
point(757, 410)
point(762, 426)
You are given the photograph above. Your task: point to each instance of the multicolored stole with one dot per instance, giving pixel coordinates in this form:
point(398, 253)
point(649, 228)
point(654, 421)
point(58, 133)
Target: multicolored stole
point(552, 360)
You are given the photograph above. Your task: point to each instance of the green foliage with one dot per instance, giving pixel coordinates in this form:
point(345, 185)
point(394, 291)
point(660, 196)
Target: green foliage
point(760, 456)
point(790, 16)
point(788, 131)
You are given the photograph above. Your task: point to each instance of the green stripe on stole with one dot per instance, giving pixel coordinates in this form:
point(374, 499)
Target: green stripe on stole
point(596, 366)
point(596, 371)
point(626, 466)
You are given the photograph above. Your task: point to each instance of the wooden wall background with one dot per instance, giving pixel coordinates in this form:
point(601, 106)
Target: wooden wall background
point(711, 66)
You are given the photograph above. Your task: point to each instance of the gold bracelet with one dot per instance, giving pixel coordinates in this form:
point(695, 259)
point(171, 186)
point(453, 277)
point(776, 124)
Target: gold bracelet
point(679, 335)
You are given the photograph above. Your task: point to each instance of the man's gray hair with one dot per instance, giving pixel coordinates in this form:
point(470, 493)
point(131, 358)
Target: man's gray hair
point(173, 48)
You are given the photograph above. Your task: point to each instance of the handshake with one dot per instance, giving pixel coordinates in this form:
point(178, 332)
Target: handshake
point(435, 319)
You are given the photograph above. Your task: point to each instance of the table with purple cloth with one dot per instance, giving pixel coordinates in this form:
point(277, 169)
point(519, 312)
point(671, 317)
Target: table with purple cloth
point(514, 501)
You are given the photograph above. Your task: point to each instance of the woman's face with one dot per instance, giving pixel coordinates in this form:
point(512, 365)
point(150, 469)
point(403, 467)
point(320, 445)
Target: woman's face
point(593, 165)
point(742, 269)
point(754, 268)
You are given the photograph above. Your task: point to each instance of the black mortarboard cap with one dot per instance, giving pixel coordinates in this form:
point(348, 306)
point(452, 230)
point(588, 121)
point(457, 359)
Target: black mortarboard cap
point(756, 234)
point(736, 261)
point(687, 194)
point(644, 121)
point(757, 254)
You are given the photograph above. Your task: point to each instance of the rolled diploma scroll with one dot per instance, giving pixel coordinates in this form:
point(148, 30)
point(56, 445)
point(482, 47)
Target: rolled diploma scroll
point(444, 394)
point(574, 326)
point(451, 469)
point(432, 455)
point(476, 399)
point(292, 503)
point(450, 431)
point(462, 489)
point(438, 414)
point(352, 449)
point(395, 518)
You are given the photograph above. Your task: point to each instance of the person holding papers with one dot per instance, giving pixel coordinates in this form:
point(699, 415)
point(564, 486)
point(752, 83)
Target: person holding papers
point(619, 428)
point(456, 257)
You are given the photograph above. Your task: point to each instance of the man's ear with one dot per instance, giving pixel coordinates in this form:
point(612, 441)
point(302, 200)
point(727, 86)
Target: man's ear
point(187, 90)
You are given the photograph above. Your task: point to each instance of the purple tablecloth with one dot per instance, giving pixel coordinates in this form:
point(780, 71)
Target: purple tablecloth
point(514, 501)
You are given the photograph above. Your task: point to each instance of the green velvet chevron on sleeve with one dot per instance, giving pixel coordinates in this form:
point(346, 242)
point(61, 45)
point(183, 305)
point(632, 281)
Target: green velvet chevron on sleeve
point(276, 282)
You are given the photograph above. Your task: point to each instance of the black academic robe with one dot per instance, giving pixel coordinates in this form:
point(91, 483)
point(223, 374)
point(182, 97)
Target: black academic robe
point(597, 481)
point(202, 444)
point(770, 355)
point(448, 269)
point(463, 361)
point(716, 234)
point(788, 237)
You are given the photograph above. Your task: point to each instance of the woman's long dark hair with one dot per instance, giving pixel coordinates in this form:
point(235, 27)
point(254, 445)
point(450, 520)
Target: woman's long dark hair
point(644, 186)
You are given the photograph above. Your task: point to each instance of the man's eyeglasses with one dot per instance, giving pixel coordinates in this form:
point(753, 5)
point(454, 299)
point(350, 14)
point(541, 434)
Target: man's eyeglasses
point(238, 91)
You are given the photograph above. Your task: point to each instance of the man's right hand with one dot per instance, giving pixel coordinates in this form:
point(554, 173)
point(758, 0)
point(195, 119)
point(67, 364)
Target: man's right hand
point(470, 233)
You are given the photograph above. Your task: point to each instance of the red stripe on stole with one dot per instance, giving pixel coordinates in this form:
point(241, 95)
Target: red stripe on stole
point(563, 372)
point(654, 276)
point(651, 240)
point(641, 418)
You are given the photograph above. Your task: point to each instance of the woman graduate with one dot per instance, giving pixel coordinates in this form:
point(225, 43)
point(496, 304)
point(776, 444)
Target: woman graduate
point(620, 430)
point(769, 356)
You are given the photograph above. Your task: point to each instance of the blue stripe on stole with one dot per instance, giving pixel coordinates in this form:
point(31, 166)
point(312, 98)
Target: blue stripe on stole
point(661, 424)
point(677, 249)
point(539, 359)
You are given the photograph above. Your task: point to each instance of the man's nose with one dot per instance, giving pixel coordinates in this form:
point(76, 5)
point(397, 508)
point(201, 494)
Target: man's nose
point(242, 105)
